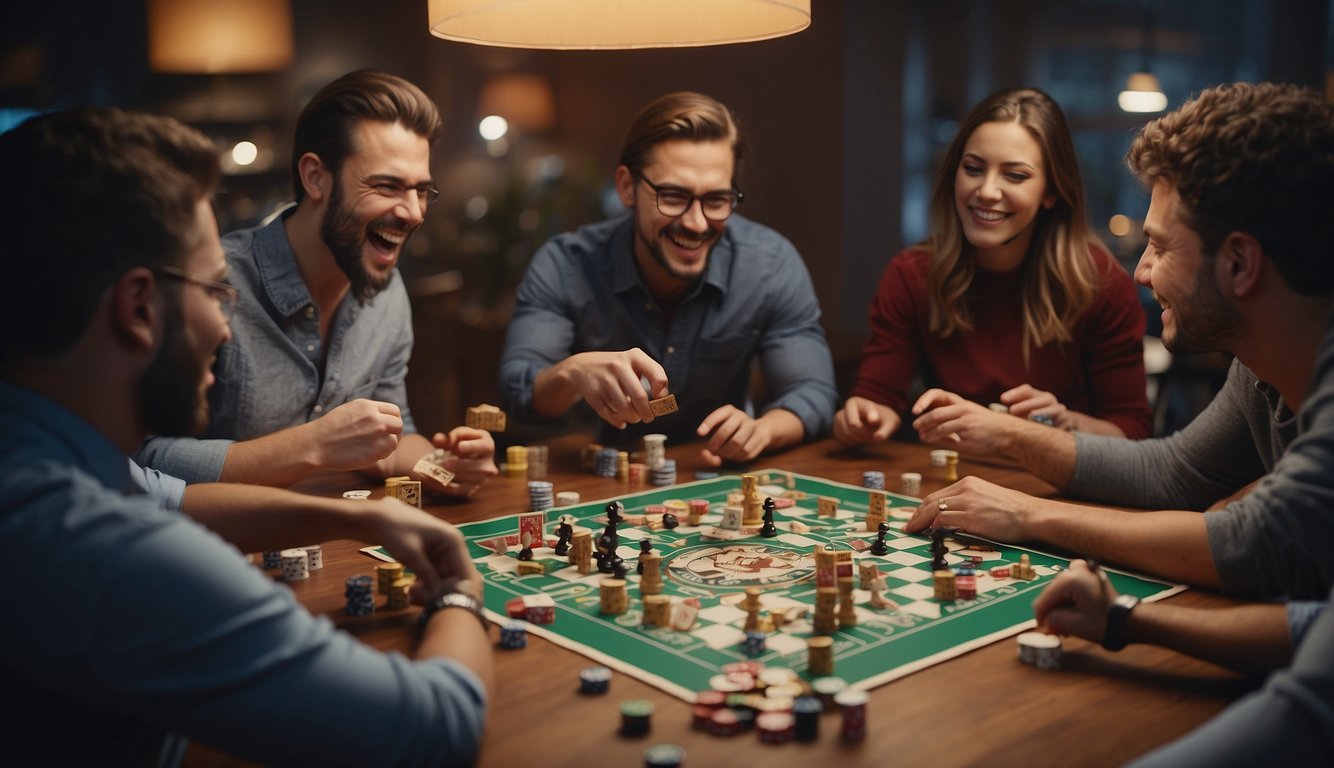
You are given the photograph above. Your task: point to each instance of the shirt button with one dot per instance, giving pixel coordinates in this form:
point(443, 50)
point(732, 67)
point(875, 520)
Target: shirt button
point(310, 312)
point(671, 350)
point(310, 347)
point(319, 409)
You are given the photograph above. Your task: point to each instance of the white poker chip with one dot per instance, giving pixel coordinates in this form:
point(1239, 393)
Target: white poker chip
point(358, 494)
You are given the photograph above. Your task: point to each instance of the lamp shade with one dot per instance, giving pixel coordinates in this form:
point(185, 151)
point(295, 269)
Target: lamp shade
point(219, 36)
point(594, 24)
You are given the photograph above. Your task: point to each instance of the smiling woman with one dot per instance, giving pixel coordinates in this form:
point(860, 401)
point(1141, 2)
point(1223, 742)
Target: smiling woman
point(1012, 300)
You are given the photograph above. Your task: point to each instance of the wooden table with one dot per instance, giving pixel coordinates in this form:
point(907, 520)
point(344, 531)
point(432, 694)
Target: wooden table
point(981, 708)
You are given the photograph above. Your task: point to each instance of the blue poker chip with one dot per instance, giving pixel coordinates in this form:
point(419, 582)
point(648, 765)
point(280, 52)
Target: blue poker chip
point(701, 474)
point(594, 680)
point(664, 756)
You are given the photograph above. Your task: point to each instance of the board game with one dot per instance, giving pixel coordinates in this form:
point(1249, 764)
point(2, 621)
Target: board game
point(900, 626)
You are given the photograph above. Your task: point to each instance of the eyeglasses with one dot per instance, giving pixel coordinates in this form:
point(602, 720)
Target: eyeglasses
point(675, 201)
point(226, 295)
point(395, 190)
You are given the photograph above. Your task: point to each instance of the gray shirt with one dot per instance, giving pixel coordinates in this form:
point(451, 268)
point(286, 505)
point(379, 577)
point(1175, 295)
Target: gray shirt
point(276, 372)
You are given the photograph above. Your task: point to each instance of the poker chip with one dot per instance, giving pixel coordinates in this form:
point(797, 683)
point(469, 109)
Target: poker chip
point(540, 495)
point(775, 727)
point(828, 687)
point(664, 473)
point(357, 494)
point(1040, 650)
point(295, 564)
point(567, 498)
point(594, 680)
point(272, 559)
point(314, 557)
point(360, 598)
point(514, 635)
point(873, 479)
point(806, 715)
point(664, 756)
point(636, 715)
point(702, 474)
point(853, 704)
point(755, 641)
point(607, 463)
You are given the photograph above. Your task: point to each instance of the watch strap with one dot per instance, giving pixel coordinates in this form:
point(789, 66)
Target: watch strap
point(1114, 637)
point(451, 597)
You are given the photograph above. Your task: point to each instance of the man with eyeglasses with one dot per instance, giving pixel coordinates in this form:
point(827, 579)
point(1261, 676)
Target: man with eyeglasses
point(140, 627)
point(314, 377)
point(680, 296)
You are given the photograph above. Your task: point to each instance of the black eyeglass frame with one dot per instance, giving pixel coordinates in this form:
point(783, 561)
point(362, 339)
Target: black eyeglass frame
point(224, 293)
point(735, 197)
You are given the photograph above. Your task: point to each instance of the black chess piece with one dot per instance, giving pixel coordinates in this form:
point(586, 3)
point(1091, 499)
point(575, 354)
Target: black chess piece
point(617, 568)
point(645, 547)
point(527, 552)
point(938, 549)
point(669, 521)
point(564, 532)
point(614, 510)
point(768, 530)
point(879, 547)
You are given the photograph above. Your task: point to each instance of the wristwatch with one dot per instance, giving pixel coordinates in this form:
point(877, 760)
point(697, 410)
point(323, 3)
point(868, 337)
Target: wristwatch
point(1114, 638)
point(450, 596)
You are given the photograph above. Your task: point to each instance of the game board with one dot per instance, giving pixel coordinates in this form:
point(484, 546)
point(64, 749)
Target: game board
point(885, 643)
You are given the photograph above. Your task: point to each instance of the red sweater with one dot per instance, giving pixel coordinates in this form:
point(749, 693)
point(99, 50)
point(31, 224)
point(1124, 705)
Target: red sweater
point(1100, 372)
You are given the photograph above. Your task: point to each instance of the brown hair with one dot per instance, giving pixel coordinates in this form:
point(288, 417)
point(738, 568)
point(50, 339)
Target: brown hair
point(1251, 158)
point(1060, 276)
point(326, 125)
point(132, 182)
point(681, 115)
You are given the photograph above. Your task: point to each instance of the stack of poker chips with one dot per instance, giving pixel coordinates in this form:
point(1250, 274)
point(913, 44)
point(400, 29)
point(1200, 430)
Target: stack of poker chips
point(754, 643)
point(541, 496)
point(399, 593)
point(537, 462)
point(514, 635)
point(853, 704)
point(874, 479)
point(606, 463)
point(636, 716)
point(806, 710)
point(654, 450)
point(296, 565)
point(387, 574)
point(664, 473)
point(664, 756)
point(912, 483)
point(567, 498)
point(360, 598)
point(775, 727)
point(1040, 650)
point(516, 461)
point(273, 559)
point(594, 680)
point(314, 557)
point(698, 509)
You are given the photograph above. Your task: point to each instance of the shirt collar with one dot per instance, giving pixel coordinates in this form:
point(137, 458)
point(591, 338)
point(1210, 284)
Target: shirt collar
point(625, 274)
point(278, 272)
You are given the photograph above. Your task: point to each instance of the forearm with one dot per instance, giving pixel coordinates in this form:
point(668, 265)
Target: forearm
point(784, 427)
point(256, 518)
point(553, 393)
point(1094, 426)
point(1251, 639)
point(411, 447)
point(1171, 544)
point(456, 634)
point(278, 459)
point(1046, 452)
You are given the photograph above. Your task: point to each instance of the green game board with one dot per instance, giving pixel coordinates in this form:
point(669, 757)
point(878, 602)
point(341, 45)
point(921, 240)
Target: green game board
point(884, 645)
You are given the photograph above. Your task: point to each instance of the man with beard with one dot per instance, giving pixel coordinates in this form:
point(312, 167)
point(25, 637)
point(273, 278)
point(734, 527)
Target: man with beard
point(681, 296)
point(1238, 234)
point(314, 377)
point(141, 628)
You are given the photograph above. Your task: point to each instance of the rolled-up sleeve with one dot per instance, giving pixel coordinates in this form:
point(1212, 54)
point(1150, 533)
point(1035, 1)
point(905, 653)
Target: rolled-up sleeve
point(190, 459)
point(794, 355)
point(541, 332)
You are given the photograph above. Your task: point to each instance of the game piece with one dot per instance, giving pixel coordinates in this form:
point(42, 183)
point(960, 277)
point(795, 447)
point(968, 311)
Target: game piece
point(732, 518)
point(878, 599)
point(775, 727)
point(623, 465)
point(663, 405)
point(1023, 569)
point(657, 610)
point(768, 530)
point(938, 549)
point(581, 551)
point(911, 483)
point(965, 585)
point(428, 467)
point(539, 608)
point(873, 479)
point(867, 572)
point(296, 565)
point(1040, 650)
point(751, 605)
point(952, 467)
point(613, 597)
point(750, 501)
point(567, 498)
point(386, 573)
point(609, 540)
point(635, 717)
point(654, 450)
point(669, 521)
point(540, 496)
point(487, 417)
point(564, 532)
point(1000, 572)
point(651, 581)
point(806, 712)
point(530, 567)
point(847, 607)
point(939, 457)
point(876, 509)
point(594, 680)
point(827, 506)
point(645, 547)
point(880, 547)
point(853, 704)
point(684, 614)
point(820, 655)
point(514, 635)
point(516, 461)
point(399, 596)
point(314, 557)
point(664, 756)
point(360, 599)
point(826, 610)
point(527, 552)
point(618, 569)
point(944, 586)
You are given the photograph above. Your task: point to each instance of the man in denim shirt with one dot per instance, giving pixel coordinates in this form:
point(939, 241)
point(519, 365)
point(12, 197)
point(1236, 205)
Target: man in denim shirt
point(314, 376)
point(680, 296)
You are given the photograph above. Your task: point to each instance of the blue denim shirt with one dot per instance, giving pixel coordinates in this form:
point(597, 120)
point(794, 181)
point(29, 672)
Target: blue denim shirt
point(270, 376)
point(582, 293)
point(138, 623)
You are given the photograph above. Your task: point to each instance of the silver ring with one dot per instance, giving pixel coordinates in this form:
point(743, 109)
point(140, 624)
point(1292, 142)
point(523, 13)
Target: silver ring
point(942, 506)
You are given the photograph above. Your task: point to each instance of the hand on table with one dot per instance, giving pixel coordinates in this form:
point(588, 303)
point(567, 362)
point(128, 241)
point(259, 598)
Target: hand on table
point(473, 461)
point(1075, 603)
point(975, 506)
point(426, 545)
point(611, 383)
point(733, 436)
point(863, 421)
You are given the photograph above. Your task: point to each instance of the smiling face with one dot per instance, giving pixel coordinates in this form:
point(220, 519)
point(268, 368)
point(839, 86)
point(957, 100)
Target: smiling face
point(1000, 186)
point(363, 226)
point(1196, 316)
point(673, 251)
